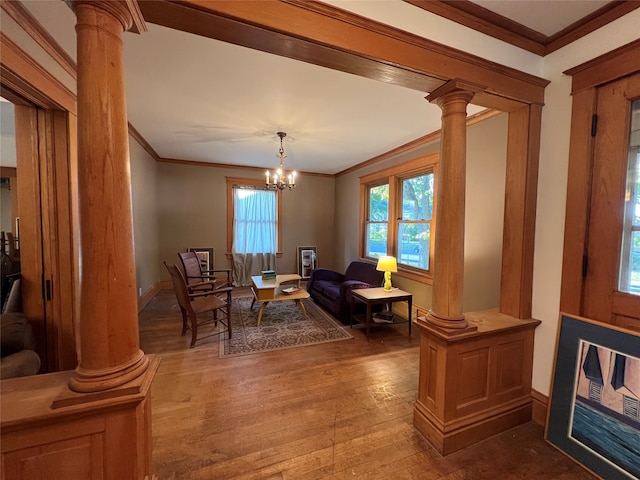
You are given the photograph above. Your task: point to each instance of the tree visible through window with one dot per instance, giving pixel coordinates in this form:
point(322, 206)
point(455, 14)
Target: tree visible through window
point(398, 216)
point(414, 226)
point(377, 223)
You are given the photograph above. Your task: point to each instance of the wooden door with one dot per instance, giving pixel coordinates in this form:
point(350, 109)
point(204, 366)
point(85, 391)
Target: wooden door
point(46, 233)
point(611, 295)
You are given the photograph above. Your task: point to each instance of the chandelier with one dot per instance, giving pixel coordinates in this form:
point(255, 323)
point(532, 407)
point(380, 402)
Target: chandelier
point(281, 179)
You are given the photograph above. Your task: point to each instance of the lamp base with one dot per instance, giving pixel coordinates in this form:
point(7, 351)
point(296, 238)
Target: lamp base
point(387, 281)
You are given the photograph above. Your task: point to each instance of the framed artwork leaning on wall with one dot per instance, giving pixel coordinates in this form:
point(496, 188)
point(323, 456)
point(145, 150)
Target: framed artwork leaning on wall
point(594, 407)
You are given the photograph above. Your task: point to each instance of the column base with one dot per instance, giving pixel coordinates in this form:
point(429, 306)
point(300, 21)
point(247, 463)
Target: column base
point(449, 323)
point(87, 381)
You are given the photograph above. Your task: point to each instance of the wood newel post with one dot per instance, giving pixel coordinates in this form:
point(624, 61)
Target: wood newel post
point(448, 265)
point(108, 347)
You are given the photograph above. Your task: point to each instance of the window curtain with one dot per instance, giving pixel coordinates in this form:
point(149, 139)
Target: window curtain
point(254, 233)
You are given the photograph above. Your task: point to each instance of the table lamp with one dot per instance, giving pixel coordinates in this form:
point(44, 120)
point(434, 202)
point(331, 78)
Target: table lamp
point(387, 265)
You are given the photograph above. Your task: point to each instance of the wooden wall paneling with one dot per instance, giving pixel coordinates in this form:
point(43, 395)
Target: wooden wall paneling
point(578, 194)
point(523, 147)
point(475, 384)
point(64, 435)
point(29, 210)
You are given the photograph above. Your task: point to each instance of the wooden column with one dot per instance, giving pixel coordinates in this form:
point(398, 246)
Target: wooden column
point(109, 354)
point(448, 265)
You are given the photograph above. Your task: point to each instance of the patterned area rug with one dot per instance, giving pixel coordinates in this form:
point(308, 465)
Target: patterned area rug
point(282, 326)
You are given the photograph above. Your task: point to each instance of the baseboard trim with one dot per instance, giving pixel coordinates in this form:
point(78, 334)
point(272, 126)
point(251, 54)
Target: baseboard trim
point(447, 440)
point(146, 297)
point(539, 407)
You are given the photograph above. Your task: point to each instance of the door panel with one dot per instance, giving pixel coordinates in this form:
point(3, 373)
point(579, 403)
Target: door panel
point(602, 299)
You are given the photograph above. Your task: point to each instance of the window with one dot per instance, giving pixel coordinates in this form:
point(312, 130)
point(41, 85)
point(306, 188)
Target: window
point(630, 257)
point(377, 222)
point(414, 224)
point(398, 206)
point(253, 215)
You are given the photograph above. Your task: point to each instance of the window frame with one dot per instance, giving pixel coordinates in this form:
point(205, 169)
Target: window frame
point(394, 176)
point(257, 184)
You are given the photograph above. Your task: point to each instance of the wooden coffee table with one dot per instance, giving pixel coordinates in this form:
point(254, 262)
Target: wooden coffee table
point(266, 291)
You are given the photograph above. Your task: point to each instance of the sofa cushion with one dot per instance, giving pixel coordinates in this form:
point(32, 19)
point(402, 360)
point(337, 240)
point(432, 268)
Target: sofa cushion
point(332, 292)
point(12, 333)
point(364, 272)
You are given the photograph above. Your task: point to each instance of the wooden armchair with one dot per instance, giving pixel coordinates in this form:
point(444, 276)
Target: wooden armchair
point(194, 303)
point(202, 280)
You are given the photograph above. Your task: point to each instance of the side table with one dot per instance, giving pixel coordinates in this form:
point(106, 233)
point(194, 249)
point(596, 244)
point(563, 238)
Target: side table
point(378, 296)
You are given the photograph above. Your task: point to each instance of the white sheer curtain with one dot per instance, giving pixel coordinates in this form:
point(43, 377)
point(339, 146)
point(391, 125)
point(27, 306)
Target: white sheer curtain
point(255, 226)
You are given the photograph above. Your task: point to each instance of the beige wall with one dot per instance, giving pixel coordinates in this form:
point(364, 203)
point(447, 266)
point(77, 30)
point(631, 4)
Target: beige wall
point(192, 212)
point(145, 216)
point(486, 162)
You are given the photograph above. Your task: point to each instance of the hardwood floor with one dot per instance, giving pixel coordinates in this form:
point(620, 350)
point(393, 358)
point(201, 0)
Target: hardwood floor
point(331, 411)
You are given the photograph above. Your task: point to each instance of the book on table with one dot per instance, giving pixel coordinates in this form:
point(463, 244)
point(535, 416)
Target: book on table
point(269, 274)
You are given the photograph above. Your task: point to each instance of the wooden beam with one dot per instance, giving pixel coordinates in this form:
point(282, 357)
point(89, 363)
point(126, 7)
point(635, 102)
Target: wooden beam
point(317, 33)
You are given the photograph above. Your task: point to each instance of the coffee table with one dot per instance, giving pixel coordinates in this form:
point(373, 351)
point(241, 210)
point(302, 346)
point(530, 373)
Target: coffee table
point(266, 291)
point(378, 296)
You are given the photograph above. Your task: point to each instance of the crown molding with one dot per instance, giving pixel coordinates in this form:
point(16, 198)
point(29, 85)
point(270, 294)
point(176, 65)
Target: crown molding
point(19, 13)
point(490, 23)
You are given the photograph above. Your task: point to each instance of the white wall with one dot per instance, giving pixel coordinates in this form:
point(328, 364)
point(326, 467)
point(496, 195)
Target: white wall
point(552, 182)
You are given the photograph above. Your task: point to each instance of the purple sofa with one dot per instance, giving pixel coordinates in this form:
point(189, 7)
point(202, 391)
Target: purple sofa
point(332, 290)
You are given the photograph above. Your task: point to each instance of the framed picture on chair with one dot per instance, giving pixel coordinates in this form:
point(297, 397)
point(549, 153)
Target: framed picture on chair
point(205, 255)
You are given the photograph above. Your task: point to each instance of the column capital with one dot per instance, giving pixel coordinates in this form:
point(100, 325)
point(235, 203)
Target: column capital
point(455, 89)
point(126, 11)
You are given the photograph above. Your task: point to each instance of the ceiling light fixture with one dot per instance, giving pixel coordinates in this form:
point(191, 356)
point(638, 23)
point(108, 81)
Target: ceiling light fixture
point(281, 179)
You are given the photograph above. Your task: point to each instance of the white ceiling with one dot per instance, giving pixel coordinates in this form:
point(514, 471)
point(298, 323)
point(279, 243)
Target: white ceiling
point(193, 98)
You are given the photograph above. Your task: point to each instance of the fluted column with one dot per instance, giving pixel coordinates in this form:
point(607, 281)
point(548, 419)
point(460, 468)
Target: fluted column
point(448, 264)
point(109, 352)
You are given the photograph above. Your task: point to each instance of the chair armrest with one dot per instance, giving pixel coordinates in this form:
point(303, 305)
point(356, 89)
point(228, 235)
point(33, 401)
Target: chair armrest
point(221, 270)
point(210, 292)
point(346, 287)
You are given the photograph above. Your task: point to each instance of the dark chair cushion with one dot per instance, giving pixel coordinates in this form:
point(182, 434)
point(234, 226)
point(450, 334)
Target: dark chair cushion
point(12, 333)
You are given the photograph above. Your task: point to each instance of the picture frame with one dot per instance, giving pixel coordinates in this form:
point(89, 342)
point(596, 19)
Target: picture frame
point(307, 261)
point(594, 406)
point(205, 255)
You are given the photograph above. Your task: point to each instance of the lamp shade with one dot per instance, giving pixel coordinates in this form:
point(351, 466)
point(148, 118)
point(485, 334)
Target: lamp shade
point(387, 264)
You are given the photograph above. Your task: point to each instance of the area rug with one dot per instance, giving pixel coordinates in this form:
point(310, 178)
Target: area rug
point(282, 326)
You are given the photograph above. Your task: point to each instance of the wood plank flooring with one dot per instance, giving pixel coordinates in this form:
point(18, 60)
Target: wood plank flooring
point(339, 410)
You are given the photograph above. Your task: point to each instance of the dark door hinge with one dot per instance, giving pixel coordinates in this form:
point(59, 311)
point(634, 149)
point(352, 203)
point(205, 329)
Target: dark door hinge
point(48, 290)
point(594, 125)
